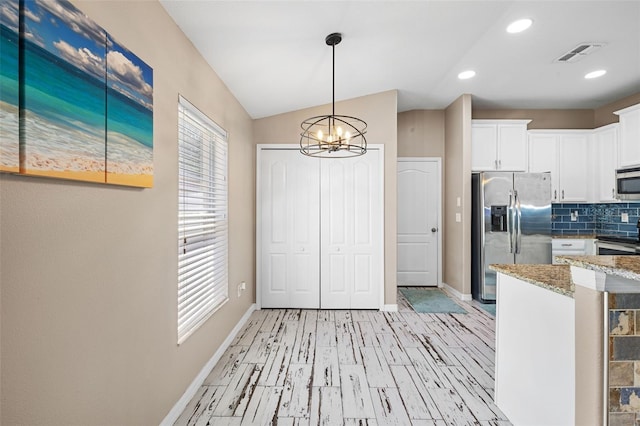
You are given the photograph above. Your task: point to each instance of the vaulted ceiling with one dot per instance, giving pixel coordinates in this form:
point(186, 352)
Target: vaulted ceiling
point(273, 57)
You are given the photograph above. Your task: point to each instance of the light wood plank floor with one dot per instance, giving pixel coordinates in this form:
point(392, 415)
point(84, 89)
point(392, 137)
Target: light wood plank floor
point(308, 367)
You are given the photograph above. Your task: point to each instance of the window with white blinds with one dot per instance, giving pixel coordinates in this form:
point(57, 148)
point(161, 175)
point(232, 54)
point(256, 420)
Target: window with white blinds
point(202, 218)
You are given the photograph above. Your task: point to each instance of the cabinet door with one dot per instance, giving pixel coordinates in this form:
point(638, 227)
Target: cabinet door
point(630, 138)
point(289, 238)
point(573, 168)
point(512, 147)
point(352, 271)
point(484, 147)
point(543, 158)
point(606, 162)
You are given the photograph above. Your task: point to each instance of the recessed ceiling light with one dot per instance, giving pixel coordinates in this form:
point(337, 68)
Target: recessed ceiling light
point(595, 74)
point(466, 74)
point(519, 25)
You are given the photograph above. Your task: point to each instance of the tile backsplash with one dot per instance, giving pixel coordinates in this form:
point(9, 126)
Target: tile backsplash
point(595, 219)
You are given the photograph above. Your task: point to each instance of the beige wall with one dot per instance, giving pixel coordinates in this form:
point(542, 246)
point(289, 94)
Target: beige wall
point(88, 271)
point(560, 118)
point(421, 133)
point(605, 114)
point(457, 184)
point(542, 118)
point(380, 113)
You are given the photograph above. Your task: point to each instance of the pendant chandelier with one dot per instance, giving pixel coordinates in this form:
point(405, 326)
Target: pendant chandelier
point(333, 136)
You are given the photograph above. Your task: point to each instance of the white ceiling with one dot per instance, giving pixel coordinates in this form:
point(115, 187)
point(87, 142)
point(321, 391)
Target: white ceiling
point(273, 58)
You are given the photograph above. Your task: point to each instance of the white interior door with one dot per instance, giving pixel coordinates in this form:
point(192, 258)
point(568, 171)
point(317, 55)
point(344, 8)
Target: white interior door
point(352, 270)
point(289, 229)
point(419, 201)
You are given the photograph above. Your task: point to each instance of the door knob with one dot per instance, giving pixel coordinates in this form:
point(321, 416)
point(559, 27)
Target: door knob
point(434, 229)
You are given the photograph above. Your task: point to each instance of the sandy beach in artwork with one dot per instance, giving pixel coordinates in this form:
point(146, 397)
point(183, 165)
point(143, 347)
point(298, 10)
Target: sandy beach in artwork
point(78, 153)
point(9, 149)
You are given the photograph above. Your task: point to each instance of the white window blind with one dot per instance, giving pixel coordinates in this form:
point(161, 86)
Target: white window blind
point(202, 218)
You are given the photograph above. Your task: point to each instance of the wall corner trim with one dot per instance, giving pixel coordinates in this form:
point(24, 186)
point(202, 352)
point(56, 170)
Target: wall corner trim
point(191, 391)
point(389, 308)
point(452, 291)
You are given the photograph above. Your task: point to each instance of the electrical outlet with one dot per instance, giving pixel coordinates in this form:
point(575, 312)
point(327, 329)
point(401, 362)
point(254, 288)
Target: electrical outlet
point(241, 287)
point(624, 217)
point(574, 215)
point(458, 217)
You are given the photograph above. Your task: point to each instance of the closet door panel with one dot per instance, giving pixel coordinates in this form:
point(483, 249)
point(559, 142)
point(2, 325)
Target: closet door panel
point(351, 269)
point(289, 197)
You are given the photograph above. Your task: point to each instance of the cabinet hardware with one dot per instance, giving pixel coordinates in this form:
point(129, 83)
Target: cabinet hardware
point(555, 194)
point(563, 194)
point(434, 229)
point(499, 164)
point(495, 164)
point(613, 193)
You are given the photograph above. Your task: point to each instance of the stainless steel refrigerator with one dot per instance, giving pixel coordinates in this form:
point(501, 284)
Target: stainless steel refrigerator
point(510, 223)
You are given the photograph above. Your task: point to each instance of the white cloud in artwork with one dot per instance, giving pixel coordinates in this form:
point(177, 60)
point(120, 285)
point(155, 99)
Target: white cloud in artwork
point(74, 19)
point(125, 73)
point(9, 15)
point(33, 38)
point(29, 14)
point(82, 58)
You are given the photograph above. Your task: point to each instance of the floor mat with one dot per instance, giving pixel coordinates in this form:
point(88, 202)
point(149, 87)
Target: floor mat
point(430, 301)
point(489, 307)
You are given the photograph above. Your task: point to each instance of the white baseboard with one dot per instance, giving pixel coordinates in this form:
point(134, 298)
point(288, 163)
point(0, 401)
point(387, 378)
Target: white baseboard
point(191, 391)
point(389, 308)
point(462, 296)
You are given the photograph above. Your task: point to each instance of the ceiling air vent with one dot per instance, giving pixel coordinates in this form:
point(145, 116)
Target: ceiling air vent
point(579, 52)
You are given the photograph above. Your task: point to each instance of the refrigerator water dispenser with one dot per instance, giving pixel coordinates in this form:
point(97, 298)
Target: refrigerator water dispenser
point(498, 218)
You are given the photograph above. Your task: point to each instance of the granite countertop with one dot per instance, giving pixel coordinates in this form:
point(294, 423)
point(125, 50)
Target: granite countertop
point(622, 266)
point(556, 278)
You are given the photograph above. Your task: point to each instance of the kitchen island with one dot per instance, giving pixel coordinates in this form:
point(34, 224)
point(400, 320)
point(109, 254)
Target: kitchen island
point(535, 344)
point(582, 320)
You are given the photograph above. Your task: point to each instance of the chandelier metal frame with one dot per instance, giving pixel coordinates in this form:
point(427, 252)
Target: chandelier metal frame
point(333, 136)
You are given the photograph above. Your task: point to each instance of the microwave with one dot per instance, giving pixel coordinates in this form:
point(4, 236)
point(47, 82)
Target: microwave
point(628, 183)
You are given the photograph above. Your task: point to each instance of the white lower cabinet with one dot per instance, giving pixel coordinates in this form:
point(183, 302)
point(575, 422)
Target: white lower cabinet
point(320, 230)
point(572, 247)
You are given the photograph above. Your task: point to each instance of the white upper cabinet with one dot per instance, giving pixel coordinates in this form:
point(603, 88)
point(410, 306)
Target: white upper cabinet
point(564, 153)
point(629, 152)
point(543, 157)
point(605, 140)
point(573, 167)
point(499, 145)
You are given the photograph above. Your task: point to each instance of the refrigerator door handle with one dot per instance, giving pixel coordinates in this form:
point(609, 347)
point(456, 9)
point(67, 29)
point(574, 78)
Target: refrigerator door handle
point(510, 223)
point(519, 220)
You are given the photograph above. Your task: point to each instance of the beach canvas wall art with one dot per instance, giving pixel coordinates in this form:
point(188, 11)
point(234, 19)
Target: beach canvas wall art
point(9, 83)
point(83, 102)
point(63, 125)
point(129, 118)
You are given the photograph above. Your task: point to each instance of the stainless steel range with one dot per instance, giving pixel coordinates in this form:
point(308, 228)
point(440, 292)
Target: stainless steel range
point(608, 245)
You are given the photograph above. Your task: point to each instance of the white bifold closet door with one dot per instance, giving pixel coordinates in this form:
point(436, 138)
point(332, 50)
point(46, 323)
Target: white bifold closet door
point(289, 197)
point(320, 231)
point(351, 232)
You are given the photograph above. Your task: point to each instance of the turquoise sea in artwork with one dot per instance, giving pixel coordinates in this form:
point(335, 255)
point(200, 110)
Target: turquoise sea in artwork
point(8, 99)
point(67, 117)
